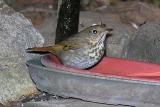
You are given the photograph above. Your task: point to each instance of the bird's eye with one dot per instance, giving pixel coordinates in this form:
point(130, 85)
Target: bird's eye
point(94, 31)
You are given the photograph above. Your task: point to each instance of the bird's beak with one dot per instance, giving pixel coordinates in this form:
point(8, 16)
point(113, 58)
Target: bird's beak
point(109, 33)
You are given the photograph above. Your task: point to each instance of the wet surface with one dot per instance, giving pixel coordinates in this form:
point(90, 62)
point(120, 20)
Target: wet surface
point(42, 96)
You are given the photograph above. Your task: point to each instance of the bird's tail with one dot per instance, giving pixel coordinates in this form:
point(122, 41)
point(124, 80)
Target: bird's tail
point(40, 49)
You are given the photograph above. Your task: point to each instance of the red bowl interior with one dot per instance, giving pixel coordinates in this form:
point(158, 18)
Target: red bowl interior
point(111, 67)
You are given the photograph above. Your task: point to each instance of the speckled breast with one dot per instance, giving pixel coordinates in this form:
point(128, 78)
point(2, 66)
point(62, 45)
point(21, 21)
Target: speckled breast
point(83, 58)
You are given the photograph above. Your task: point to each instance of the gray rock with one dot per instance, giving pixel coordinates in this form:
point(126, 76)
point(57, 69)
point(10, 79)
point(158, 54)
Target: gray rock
point(144, 44)
point(16, 34)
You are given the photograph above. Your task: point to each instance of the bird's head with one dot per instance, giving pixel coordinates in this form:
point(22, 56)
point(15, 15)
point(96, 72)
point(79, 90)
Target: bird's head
point(97, 33)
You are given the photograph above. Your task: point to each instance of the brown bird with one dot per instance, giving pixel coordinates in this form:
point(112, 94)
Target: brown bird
point(82, 50)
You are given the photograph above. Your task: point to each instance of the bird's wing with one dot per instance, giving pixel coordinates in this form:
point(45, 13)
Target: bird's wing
point(70, 44)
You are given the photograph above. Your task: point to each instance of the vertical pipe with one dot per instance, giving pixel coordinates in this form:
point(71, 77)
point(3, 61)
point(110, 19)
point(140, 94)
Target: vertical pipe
point(68, 19)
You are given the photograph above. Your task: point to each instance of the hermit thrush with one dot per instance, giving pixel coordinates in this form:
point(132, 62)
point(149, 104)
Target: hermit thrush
point(82, 50)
